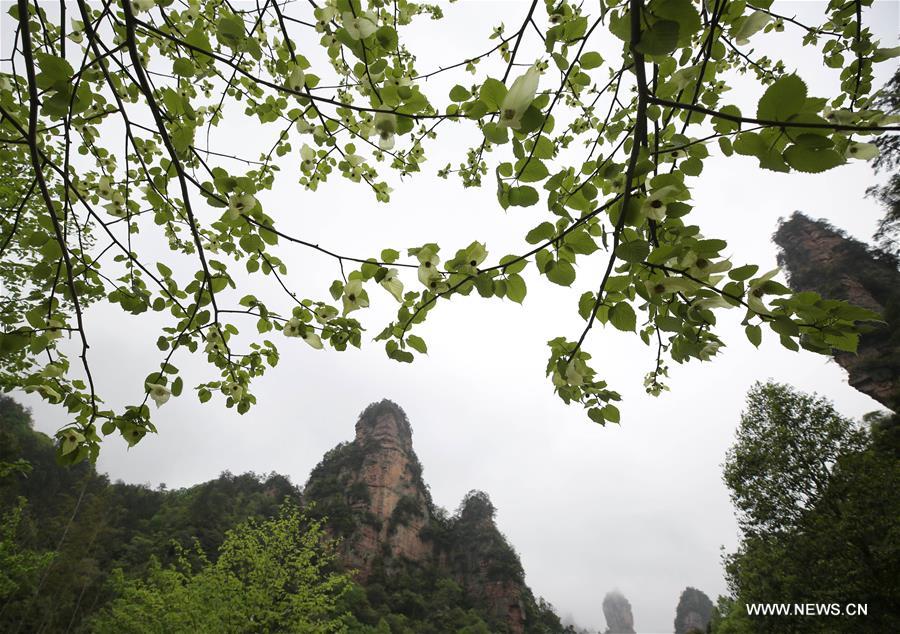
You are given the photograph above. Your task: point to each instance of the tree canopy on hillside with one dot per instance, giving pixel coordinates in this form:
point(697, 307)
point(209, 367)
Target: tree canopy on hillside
point(817, 498)
point(118, 191)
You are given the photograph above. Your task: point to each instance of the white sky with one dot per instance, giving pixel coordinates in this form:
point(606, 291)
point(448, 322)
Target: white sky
point(640, 506)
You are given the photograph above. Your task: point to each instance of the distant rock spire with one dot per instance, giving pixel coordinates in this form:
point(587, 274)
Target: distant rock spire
point(617, 611)
point(693, 612)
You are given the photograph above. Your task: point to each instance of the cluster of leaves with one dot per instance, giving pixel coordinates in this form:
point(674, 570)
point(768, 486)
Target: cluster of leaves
point(615, 172)
point(817, 501)
point(269, 576)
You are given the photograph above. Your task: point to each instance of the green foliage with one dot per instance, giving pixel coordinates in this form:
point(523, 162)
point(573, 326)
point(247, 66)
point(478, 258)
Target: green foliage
point(334, 92)
point(888, 160)
point(168, 548)
point(818, 500)
point(269, 576)
point(334, 496)
point(20, 568)
point(93, 526)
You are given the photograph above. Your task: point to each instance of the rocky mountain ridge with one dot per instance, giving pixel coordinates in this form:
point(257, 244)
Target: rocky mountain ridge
point(372, 492)
point(818, 257)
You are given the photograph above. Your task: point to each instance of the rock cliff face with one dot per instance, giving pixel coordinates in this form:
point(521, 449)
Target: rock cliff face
point(820, 258)
point(397, 497)
point(372, 492)
point(617, 611)
point(478, 556)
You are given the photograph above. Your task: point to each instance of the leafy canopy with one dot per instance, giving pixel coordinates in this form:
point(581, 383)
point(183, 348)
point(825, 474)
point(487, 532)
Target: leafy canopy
point(817, 503)
point(270, 576)
point(109, 117)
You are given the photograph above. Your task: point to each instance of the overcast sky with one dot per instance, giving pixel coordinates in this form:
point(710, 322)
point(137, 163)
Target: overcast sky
point(641, 506)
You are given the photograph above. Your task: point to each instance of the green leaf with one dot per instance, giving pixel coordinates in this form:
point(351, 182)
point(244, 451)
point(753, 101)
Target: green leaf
point(742, 273)
point(596, 415)
point(804, 159)
point(622, 317)
point(459, 93)
point(783, 99)
point(591, 59)
point(724, 126)
point(337, 289)
point(634, 251)
point(417, 343)
point(524, 196)
point(183, 67)
point(611, 413)
point(388, 256)
point(515, 288)
point(541, 233)
point(560, 272)
point(534, 171)
point(492, 93)
point(230, 30)
point(692, 166)
point(401, 355)
point(581, 242)
point(495, 133)
point(754, 334)
point(586, 305)
point(681, 11)
point(661, 38)
point(54, 71)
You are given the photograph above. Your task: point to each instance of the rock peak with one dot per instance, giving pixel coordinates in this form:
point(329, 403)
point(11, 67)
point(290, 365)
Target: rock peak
point(384, 423)
point(822, 258)
point(617, 611)
point(476, 507)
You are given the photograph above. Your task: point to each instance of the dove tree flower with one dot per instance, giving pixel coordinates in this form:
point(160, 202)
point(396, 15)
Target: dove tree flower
point(749, 26)
point(307, 159)
point(654, 205)
point(239, 204)
point(312, 338)
point(392, 284)
point(386, 125)
point(116, 205)
point(159, 393)
point(293, 327)
point(354, 296)
point(519, 97)
point(296, 80)
point(428, 263)
point(757, 288)
point(140, 6)
point(361, 26)
point(233, 390)
point(325, 313)
point(862, 151)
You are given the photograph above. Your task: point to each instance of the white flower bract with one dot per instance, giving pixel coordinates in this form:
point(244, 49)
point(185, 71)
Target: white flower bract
point(519, 97)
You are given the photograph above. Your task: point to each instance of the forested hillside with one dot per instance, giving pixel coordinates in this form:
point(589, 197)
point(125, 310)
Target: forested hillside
point(67, 529)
